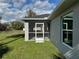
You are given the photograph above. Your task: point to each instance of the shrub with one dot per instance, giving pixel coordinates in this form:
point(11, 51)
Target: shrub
point(3, 27)
point(17, 25)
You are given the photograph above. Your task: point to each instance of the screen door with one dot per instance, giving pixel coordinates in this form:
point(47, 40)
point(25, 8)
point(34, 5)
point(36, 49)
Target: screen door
point(39, 32)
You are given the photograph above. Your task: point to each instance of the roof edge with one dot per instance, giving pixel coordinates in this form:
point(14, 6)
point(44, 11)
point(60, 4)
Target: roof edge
point(64, 5)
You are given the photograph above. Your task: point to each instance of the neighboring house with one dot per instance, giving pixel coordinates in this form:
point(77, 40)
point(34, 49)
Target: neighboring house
point(64, 28)
point(36, 27)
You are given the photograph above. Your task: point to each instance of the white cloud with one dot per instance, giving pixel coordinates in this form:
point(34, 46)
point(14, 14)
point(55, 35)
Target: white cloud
point(5, 1)
point(27, 6)
point(40, 11)
point(44, 5)
point(7, 12)
point(1, 11)
point(16, 14)
point(40, 7)
point(2, 0)
point(4, 5)
point(3, 21)
point(12, 20)
point(18, 3)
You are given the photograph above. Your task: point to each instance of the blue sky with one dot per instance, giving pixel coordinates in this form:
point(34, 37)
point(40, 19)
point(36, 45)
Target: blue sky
point(11, 10)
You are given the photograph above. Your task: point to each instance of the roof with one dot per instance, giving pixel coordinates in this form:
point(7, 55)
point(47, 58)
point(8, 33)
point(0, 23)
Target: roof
point(37, 17)
point(64, 5)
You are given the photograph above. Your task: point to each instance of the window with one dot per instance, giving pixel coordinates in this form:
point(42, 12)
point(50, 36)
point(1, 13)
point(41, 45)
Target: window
point(68, 29)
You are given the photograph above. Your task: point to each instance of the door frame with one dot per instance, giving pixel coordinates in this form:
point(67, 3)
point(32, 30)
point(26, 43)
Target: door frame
point(36, 38)
point(26, 25)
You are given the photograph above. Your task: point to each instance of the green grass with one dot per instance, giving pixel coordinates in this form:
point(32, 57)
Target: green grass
point(19, 49)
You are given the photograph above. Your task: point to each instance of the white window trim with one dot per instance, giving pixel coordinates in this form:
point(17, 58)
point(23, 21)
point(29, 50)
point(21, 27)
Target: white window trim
point(67, 34)
point(67, 45)
point(67, 18)
point(66, 25)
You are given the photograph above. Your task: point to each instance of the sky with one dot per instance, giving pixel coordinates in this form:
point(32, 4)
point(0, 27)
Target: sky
point(11, 10)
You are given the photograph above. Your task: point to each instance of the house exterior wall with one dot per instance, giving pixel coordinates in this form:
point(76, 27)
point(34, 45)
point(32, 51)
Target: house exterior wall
point(56, 30)
point(76, 25)
point(55, 34)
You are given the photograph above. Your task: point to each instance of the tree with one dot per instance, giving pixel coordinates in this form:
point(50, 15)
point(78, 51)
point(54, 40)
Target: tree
point(17, 25)
point(4, 27)
point(31, 13)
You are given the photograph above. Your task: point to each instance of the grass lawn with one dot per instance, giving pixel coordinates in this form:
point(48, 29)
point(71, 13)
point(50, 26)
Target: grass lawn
point(19, 49)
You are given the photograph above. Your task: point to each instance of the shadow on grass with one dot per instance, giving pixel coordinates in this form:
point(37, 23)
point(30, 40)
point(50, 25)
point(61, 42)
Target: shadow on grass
point(13, 36)
point(16, 35)
point(3, 50)
point(3, 47)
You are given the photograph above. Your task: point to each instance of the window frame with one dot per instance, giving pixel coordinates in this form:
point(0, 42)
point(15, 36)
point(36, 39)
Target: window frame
point(62, 17)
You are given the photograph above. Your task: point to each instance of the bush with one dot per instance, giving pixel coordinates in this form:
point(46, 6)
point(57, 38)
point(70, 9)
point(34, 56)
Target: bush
point(4, 26)
point(17, 25)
